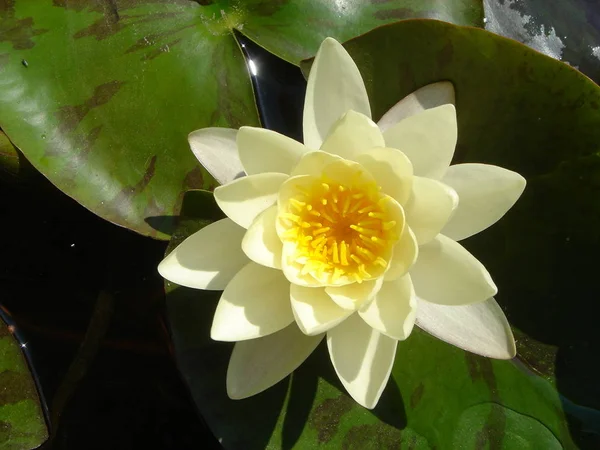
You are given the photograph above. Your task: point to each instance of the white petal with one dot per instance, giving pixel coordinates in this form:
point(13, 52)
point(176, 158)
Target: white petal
point(258, 364)
point(428, 139)
point(362, 358)
point(405, 255)
point(486, 193)
point(334, 87)
point(245, 198)
point(392, 170)
point(352, 296)
point(352, 135)
point(429, 208)
point(261, 243)
point(427, 97)
point(479, 328)
point(255, 303)
point(208, 259)
point(312, 163)
point(314, 310)
point(216, 150)
point(263, 150)
point(447, 274)
point(393, 311)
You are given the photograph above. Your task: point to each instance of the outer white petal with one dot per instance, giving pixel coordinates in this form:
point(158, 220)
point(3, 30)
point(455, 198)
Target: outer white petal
point(427, 97)
point(216, 150)
point(334, 87)
point(427, 138)
point(263, 150)
point(405, 254)
point(312, 163)
point(352, 135)
point(314, 310)
point(394, 309)
point(254, 304)
point(258, 364)
point(429, 208)
point(244, 199)
point(261, 243)
point(362, 358)
point(392, 170)
point(480, 328)
point(352, 296)
point(208, 259)
point(447, 274)
point(486, 193)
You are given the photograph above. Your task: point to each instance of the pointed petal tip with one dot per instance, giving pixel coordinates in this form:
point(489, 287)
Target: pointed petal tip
point(330, 41)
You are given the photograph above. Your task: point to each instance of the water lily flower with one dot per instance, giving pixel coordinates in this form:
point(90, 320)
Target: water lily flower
point(351, 236)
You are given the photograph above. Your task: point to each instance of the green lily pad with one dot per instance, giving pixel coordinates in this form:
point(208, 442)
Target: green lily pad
point(22, 423)
point(568, 30)
point(438, 395)
point(100, 96)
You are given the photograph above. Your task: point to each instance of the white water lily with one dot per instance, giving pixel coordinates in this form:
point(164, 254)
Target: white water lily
point(351, 235)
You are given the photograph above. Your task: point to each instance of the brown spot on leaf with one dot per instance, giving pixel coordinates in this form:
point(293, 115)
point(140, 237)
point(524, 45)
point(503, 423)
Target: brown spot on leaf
point(194, 179)
point(148, 175)
point(70, 116)
point(101, 28)
point(379, 435)
point(15, 387)
point(396, 13)
point(131, 191)
point(492, 432)
point(19, 33)
point(327, 416)
point(7, 8)
point(416, 396)
point(481, 369)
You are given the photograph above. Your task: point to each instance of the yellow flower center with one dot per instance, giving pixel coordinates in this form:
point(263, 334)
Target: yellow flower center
point(342, 233)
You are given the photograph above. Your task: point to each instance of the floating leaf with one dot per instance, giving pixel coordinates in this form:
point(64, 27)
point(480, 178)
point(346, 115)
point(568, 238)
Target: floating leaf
point(100, 96)
point(22, 423)
point(568, 30)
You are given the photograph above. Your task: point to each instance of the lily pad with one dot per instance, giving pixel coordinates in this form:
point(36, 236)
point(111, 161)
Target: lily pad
point(100, 96)
point(568, 30)
point(22, 423)
point(438, 394)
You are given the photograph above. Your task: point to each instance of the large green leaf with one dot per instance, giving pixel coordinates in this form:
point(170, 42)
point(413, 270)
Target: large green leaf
point(100, 95)
point(518, 109)
point(568, 30)
point(22, 423)
point(439, 397)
